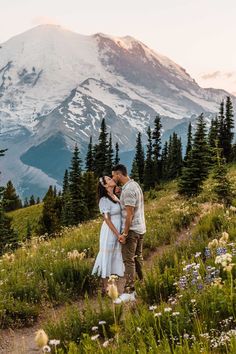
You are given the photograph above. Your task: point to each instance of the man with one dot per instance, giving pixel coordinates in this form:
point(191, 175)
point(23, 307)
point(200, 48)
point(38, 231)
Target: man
point(133, 230)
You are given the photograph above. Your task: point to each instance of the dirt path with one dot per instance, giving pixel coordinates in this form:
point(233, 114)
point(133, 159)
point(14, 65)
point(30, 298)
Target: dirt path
point(21, 341)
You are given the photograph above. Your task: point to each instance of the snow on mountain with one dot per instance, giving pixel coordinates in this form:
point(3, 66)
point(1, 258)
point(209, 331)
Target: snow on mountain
point(57, 85)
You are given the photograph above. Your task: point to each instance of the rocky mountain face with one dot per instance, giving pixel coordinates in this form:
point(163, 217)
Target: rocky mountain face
point(56, 86)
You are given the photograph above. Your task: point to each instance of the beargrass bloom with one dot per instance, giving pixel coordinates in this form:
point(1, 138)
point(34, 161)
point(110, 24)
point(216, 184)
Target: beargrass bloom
point(41, 338)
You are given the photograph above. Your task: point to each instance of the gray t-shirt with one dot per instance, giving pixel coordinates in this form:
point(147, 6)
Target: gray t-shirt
point(132, 195)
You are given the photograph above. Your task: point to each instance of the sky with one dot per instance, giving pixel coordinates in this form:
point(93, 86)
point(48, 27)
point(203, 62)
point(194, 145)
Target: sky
point(199, 35)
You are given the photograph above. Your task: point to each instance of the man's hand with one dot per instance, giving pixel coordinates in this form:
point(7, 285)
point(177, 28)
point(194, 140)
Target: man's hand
point(122, 239)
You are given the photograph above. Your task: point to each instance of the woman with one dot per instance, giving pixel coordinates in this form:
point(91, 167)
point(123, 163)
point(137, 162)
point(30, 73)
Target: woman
point(109, 259)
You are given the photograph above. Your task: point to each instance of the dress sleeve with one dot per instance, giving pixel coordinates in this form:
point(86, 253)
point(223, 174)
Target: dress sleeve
point(104, 205)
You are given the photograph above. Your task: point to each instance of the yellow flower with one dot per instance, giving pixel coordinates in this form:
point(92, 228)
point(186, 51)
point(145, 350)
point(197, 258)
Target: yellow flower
point(112, 290)
point(41, 338)
point(213, 243)
point(229, 267)
point(224, 238)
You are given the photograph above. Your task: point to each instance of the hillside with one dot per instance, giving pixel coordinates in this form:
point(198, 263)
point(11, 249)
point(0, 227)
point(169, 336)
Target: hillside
point(56, 86)
point(185, 305)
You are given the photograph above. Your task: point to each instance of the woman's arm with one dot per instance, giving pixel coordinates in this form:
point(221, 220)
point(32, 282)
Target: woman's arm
point(107, 219)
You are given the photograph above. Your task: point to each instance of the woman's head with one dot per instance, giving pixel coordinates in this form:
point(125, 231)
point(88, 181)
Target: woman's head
point(106, 183)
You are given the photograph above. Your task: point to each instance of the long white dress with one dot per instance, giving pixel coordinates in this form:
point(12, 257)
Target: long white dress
point(109, 259)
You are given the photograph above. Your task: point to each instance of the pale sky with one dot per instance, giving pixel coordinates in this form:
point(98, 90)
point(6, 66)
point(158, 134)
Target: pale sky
point(199, 35)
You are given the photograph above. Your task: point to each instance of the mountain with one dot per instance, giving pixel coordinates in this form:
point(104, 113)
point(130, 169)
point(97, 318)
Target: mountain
point(56, 86)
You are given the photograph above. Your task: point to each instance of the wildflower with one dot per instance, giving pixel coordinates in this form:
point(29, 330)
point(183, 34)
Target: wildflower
point(106, 343)
point(139, 329)
point(46, 349)
point(229, 267)
point(158, 314)
point(167, 309)
point(41, 338)
point(176, 313)
point(232, 208)
point(94, 328)
point(198, 254)
point(186, 335)
point(102, 322)
point(95, 337)
point(213, 244)
point(193, 301)
point(54, 342)
point(152, 308)
point(112, 290)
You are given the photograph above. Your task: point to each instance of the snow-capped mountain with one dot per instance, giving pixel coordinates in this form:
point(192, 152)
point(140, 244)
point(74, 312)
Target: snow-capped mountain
point(56, 86)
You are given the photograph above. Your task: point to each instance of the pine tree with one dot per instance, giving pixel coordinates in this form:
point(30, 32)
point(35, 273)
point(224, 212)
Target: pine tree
point(189, 142)
point(197, 164)
point(32, 200)
point(134, 171)
point(50, 219)
point(164, 161)
point(77, 209)
point(110, 156)
point(213, 135)
point(90, 156)
point(222, 129)
point(8, 237)
point(149, 181)
point(101, 152)
point(229, 124)
point(90, 194)
point(38, 200)
point(26, 202)
point(138, 162)
point(222, 187)
point(157, 148)
point(11, 201)
point(117, 159)
point(174, 159)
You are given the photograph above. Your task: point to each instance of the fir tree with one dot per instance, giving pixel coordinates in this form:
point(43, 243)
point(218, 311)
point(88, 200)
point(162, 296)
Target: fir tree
point(197, 165)
point(229, 124)
point(157, 147)
point(174, 159)
point(164, 161)
point(10, 200)
point(149, 181)
point(101, 152)
point(134, 171)
point(38, 200)
point(138, 160)
point(222, 186)
point(213, 135)
point(77, 209)
point(110, 156)
point(65, 200)
point(90, 194)
point(26, 202)
point(222, 129)
point(50, 219)
point(90, 156)
point(189, 142)
point(32, 200)
point(8, 237)
point(117, 159)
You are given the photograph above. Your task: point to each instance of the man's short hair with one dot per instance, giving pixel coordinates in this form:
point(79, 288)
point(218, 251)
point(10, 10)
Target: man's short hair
point(121, 168)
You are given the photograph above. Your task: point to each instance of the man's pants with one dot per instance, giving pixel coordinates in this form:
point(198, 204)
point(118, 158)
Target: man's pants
point(132, 253)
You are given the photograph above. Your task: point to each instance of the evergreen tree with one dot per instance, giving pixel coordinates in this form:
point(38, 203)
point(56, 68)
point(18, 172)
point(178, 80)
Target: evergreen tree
point(222, 129)
point(65, 200)
point(110, 156)
point(149, 181)
point(90, 156)
point(164, 161)
point(90, 194)
point(138, 162)
point(28, 231)
point(38, 200)
point(229, 124)
point(222, 187)
point(77, 209)
point(101, 152)
point(50, 219)
point(32, 200)
point(10, 200)
point(174, 158)
point(213, 135)
point(134, 171)
point(197, 164)
point(26, 202)
point(117, 159)
point(157, 147)
point(189, 142)
point(8, 237)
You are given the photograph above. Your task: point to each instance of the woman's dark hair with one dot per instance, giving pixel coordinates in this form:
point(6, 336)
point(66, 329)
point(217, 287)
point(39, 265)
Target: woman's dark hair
point(102, 192)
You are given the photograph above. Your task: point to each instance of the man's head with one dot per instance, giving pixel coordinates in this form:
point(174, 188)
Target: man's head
point(119, 174)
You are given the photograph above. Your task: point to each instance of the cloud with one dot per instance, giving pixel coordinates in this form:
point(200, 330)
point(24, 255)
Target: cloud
point(218, 75)
point(44, 20)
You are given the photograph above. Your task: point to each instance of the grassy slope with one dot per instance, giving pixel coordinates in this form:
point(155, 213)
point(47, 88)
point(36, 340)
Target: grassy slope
point(21, 217)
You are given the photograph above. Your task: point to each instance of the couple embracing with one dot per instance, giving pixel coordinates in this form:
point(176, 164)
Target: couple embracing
point(121, 236)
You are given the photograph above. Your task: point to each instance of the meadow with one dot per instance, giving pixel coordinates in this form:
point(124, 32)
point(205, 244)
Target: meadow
point(186, 304)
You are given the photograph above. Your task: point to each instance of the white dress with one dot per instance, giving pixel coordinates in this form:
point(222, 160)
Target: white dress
point(109, 259)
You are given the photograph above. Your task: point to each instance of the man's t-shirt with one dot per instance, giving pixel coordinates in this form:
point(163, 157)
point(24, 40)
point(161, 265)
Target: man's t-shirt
point(132, 195)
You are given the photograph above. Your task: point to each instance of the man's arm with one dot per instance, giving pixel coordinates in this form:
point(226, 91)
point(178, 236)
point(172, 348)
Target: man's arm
point(129, 217)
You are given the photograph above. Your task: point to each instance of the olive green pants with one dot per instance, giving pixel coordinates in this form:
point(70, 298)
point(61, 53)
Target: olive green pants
point(132, 253)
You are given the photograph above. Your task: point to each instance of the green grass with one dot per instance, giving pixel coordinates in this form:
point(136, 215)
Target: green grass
point(21, 217)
